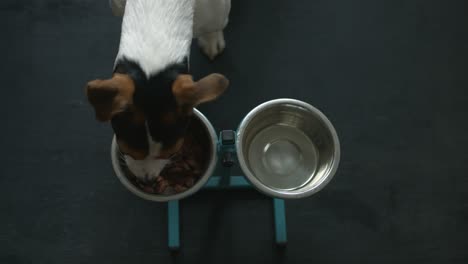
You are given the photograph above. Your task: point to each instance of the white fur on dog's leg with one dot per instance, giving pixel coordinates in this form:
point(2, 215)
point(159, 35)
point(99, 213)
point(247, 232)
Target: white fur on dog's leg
point(118, 7)
point(212, 44)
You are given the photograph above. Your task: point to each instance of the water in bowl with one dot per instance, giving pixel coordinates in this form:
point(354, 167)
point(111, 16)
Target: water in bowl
point(283, 157)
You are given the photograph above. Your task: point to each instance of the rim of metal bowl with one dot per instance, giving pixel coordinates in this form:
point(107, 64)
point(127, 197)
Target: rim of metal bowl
point(164, 198)
point(277, 192)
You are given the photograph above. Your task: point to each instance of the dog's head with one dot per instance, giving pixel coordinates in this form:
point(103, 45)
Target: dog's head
point(149, 115)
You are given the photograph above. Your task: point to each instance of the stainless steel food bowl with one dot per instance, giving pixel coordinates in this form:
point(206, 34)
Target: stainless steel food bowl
point(287, 148)
point(119, 167)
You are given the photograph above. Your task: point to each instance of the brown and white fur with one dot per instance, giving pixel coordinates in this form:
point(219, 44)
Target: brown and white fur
point(150, 97)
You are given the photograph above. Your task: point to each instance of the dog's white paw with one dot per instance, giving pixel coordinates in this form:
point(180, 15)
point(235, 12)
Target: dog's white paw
point(212, 44)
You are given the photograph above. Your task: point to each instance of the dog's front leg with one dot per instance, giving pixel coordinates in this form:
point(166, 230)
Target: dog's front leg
point(210, 19)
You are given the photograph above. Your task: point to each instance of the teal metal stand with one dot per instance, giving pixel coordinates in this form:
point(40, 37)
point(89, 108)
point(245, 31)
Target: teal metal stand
point(280, 221)
point(227, 150)
point(173, 224)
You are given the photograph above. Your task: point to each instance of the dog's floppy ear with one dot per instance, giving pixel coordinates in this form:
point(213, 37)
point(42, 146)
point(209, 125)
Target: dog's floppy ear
point(110, 96)
point(190, 93)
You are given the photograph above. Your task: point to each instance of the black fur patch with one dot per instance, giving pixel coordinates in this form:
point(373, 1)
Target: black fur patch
point(154, 97)
point(127, 130)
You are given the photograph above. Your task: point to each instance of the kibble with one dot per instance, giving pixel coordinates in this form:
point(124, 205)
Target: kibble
point(185, 168)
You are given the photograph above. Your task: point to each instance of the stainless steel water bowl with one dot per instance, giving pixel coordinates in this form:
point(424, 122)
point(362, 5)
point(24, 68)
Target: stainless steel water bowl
point(120, 170)
point(287, 148)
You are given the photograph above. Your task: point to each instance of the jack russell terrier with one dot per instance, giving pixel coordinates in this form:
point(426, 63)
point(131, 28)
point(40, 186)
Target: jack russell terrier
point(150, 98)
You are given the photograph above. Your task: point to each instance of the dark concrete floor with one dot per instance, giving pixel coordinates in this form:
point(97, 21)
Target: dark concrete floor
point(391, 76)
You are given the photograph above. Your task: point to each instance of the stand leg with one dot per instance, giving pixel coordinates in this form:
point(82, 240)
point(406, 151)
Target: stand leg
point(173, 224)
point(280, 222)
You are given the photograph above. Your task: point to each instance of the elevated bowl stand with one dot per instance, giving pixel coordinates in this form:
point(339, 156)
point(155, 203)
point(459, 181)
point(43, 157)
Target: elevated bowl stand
point(226, 150)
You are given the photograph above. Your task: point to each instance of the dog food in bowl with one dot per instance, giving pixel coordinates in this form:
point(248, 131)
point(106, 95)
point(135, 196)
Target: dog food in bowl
point(183, 171)
point(187, 171)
